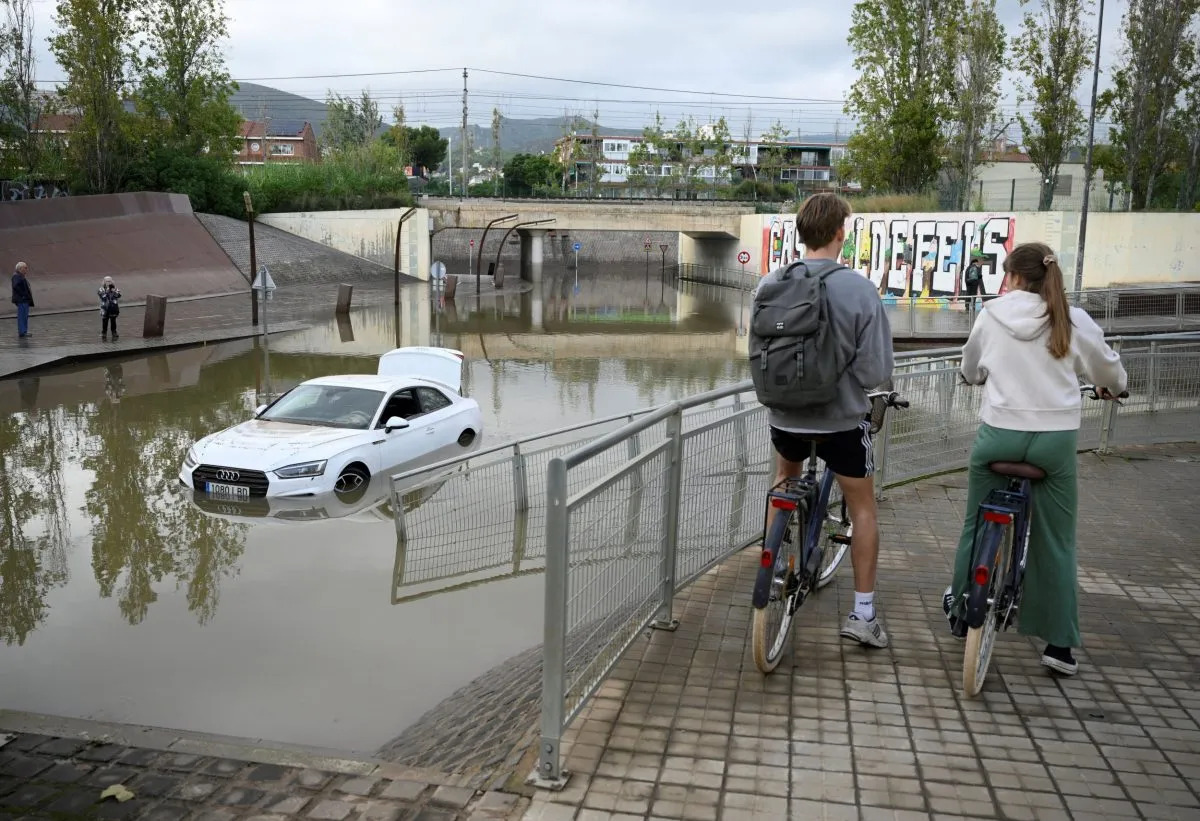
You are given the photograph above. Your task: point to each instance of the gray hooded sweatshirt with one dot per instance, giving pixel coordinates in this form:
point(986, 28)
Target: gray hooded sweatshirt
point(860, 326)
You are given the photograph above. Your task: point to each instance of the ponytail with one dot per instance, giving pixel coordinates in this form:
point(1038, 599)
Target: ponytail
point(1037, 267)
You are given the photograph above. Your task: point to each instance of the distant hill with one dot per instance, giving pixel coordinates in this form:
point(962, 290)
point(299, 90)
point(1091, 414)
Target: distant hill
point(530, 136)
point(255, 102)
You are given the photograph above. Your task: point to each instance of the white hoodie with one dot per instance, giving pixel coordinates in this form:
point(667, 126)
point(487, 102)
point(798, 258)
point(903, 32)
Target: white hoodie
point(1025, 388)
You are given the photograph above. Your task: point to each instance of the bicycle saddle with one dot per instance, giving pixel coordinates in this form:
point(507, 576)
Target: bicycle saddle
point(1021, 470)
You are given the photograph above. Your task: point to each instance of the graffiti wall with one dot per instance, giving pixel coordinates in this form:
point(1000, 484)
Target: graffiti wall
point(923, 255)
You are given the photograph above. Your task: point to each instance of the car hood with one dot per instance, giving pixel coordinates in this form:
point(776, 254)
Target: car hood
point(267, 445)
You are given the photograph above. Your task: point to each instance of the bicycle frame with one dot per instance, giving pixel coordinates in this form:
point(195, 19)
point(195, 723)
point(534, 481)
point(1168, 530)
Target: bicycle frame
point(1009, 506)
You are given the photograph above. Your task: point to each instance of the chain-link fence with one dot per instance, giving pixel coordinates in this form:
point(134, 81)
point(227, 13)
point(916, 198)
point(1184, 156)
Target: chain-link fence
point(637, 514)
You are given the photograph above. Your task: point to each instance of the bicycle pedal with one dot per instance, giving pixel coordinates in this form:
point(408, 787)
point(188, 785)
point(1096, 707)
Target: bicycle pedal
point(840, 538)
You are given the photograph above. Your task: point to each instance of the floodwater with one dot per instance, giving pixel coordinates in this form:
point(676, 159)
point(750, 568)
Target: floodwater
point(123, 598)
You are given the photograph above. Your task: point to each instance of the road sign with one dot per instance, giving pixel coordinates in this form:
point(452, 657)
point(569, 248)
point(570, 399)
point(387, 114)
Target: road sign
point(472, 243)
point(438, 270)
point(743, 257)
point(577, 246)
point(647, 245)
point(263, 281)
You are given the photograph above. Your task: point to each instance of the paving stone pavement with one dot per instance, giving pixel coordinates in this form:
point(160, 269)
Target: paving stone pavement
point(687, 728)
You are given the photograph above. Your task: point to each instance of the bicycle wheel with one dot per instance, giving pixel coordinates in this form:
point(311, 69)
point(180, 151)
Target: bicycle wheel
point(835, 544)
point(995, 554)
point(775, 588)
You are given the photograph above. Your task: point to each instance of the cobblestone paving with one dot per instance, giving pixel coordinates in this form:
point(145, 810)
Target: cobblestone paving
point(687, 728)
point(43, 777)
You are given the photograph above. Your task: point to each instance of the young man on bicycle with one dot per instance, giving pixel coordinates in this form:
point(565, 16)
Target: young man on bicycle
point(859, 327)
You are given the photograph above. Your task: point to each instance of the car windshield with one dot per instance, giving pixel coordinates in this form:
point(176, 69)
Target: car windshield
point(328, 405)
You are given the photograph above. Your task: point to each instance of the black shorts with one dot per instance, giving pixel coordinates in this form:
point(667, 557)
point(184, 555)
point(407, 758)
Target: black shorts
point(847, 453)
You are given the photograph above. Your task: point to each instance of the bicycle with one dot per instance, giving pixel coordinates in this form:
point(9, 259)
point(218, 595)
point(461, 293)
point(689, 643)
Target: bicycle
point(791, 568)
point(998, 562)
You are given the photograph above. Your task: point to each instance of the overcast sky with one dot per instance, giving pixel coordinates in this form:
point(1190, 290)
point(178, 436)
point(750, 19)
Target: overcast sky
point(795, 52)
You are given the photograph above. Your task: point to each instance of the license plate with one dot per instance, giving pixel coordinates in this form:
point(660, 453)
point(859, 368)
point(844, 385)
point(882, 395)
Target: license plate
point(226, 491)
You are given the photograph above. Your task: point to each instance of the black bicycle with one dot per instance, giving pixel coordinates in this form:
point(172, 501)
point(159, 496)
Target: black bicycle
point(993, 596)
point(803, 545)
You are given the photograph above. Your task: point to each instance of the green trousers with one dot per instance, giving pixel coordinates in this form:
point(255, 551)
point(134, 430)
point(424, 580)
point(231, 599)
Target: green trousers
point(1049, 608)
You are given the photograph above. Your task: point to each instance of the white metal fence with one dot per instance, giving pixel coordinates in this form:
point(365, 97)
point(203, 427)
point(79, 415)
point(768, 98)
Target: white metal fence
point(633, 516)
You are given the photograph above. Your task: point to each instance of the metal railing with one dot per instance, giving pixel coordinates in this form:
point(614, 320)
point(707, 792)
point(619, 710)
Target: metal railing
point(687, 487)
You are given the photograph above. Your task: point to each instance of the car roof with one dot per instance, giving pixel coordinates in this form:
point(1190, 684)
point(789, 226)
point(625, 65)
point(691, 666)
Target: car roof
point(375, 382)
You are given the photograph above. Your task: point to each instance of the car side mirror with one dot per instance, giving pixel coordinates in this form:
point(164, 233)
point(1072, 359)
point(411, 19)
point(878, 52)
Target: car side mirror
point(258, 411)
point(395, 423)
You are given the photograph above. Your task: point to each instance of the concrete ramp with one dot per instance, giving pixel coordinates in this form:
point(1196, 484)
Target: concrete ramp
point(149, 243)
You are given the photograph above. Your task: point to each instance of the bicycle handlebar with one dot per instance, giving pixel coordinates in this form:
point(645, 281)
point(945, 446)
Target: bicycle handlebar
point(890, 398)
point(1093, 391)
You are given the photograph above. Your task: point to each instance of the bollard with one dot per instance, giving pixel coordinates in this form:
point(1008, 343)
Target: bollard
point(498, 275)
point(451, 285)
point(156, 316)
point(345, 292)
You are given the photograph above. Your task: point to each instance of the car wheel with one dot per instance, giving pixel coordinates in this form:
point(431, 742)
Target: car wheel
point(352, 483)
point(466, 437)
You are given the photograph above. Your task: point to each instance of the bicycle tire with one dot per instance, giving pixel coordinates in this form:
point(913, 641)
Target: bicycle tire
point(995, 541)
point(833, 553)
point(772, 623)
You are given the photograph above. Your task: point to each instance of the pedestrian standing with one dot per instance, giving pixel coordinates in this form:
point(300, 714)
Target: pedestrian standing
point(22, 297)
point(110, 308)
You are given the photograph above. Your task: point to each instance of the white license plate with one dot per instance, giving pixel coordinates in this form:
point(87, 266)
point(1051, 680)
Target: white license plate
point(226, 491)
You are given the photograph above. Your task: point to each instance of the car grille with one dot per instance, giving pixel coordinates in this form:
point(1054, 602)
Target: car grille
point(256, 480)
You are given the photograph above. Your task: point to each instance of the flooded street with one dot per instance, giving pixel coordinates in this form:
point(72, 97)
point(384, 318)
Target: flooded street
point(123, 598)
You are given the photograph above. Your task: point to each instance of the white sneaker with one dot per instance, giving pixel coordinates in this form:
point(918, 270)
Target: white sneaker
point(870, 633)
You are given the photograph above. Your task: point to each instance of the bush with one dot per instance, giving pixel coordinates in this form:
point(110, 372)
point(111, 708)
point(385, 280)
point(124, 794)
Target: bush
point(368, 177)
point(210, 184)
point(893, 203)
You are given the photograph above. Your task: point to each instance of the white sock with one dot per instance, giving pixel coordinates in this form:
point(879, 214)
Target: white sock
point(864, 605)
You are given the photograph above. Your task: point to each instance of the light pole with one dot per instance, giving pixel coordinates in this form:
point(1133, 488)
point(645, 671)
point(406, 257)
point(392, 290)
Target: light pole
point(253, 260)
point(1087, 163)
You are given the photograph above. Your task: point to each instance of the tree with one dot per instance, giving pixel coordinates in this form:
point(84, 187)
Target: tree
point(1189, 126)
point(644, 166)
point(351, 123)
point(183, 88)
point(426, 146)
point(772, 153)
point(18, 92)
point(1157, 61)
point(978, 70)
point(906, 69)
point(94, 45)
point(1052, 51)
point(526, 174)
point(397, 135)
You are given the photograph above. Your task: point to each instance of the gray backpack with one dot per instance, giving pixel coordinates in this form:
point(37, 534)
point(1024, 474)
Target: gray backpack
point(795, 360)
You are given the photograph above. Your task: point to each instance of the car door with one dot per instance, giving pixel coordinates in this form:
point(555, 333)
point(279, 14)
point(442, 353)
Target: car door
point(437, 421)
point(406, 447)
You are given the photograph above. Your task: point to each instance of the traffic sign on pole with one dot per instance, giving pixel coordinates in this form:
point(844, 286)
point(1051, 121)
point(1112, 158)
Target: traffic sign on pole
point(577, 246)
point(743, 257)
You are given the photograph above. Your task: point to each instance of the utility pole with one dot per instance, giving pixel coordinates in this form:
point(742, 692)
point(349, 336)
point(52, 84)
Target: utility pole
point(1087, 164)
point(253, 261)
point(466, 188)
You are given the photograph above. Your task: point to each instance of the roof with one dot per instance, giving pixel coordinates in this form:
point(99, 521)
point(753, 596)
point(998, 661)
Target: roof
point(370, 381)
point(273, 128)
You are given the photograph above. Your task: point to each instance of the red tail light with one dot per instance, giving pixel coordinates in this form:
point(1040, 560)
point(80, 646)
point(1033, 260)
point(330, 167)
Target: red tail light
point(998, 518)
point(782, 504)
point(767, 558)
point(981, 575)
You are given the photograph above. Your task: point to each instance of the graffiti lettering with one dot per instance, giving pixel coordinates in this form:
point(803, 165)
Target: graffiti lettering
point(923, 255)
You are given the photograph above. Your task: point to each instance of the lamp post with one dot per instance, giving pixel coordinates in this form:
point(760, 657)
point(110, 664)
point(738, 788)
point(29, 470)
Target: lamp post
point(253, 258)
point(1087, 163)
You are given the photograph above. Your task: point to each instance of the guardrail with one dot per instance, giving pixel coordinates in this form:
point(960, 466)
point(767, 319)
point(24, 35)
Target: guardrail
point(690, 488)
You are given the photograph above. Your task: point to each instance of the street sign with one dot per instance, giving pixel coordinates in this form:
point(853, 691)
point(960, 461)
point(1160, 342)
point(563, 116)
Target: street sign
point(743, 257)
point(472, 243)
point(647, 246)
point(438, 270)
point(577, 246)
point(263, 281)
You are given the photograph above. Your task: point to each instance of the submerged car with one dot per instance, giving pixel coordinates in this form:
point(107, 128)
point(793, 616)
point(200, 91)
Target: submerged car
point(334, 433)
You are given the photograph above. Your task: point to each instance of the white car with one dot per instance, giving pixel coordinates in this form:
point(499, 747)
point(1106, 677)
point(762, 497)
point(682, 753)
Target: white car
point(333, 434)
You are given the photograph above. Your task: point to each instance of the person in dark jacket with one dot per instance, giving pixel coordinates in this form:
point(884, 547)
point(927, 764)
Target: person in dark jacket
point(22, 297)
point(110, 307)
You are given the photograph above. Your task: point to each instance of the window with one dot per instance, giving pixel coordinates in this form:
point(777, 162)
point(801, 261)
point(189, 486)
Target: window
point(326, 405)
point(282, 149)
point(432, 399)
point(808, 158)
point(403, 404)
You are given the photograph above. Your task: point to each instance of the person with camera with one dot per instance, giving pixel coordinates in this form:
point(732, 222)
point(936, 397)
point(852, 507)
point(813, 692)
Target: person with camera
point(110, 308)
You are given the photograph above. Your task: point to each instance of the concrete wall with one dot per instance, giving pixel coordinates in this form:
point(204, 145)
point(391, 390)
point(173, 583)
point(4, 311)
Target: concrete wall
point(603, 215)
point(367, 234)
point(451, 246)
point(1122, 248)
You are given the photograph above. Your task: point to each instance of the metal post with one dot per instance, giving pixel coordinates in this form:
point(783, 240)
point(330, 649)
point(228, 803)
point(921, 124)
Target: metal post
point(881, 455)
point(912, 316)
point(549, 773)
point(520, 480)
point(398, 512)
point(1109, 310)
point(253, 260)
point(1012, 195)
point(1152, 389)
point(1179, 309)
point(1087, 161)
point(1108, 417)
point(739, 425)
point(396, 268)
point(634, 450)
point(670, 541)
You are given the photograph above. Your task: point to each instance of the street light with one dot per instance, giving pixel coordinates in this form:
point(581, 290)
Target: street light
point(253, 260)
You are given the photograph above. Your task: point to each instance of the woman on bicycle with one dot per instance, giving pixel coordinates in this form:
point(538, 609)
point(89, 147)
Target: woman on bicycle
point(1028, 349)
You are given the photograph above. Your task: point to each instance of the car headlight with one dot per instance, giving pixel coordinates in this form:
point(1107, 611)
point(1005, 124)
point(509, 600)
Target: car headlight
point(301, 471)
point(191, 460)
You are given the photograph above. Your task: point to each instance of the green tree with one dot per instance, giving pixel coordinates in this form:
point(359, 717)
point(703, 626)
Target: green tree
point(772, 154)
point(905, 59)
point(350, 123)
point(94, 45)
point(644, 169)
point(526, 174)
point(496, 168)
point(19, 131)
point(397, 135)
point(183, 88)
point(1189, 129)
point(978, 70)
point(1157, 63)
point(423, 146)
point(1052, 51)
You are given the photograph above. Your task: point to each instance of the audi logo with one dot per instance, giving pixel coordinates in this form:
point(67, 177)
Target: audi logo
point(228, 475)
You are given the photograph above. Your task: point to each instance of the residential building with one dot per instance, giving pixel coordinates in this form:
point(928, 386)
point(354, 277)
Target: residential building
point(277, 140)
point(627, 165)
